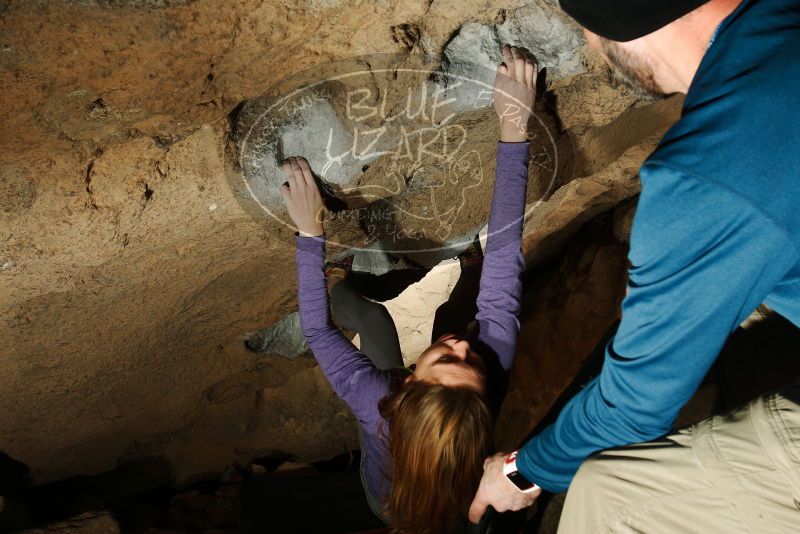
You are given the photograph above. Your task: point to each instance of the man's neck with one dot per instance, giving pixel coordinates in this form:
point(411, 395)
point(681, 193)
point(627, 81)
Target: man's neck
point(682, 45)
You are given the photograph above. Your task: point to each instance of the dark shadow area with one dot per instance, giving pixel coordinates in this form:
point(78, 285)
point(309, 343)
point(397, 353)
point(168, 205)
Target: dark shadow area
point(136, 493)
point(328, 498)
point(14, 475)
point(271, 495)
point(757, 359)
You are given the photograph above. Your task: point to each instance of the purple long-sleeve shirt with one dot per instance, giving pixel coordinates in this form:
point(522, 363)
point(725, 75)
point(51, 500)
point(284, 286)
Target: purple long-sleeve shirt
point(353, 376)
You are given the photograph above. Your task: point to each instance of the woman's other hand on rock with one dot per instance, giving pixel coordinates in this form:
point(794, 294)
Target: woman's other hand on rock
point(301, 196)
point(514, 93)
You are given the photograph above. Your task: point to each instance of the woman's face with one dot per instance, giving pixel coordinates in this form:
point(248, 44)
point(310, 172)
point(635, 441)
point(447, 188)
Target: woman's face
point(451, 362)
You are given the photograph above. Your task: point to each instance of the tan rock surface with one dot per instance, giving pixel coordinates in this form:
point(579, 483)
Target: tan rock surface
point(130, 273)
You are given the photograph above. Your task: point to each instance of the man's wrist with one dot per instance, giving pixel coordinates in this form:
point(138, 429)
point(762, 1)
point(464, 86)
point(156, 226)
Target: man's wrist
point(513, 474)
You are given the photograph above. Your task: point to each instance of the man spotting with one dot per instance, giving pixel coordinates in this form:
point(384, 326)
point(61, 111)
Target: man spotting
point(716, 233)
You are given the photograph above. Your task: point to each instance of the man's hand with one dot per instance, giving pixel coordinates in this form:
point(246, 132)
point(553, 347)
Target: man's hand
point(302, 198)
point(514, 93)
point(496, 489)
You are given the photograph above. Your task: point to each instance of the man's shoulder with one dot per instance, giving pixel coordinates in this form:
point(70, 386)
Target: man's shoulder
point(741, 133)
point(681, 215)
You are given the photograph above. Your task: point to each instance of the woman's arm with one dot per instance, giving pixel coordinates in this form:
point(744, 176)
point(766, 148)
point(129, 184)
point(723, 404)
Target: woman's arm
point(500, 287)
point(353, 376)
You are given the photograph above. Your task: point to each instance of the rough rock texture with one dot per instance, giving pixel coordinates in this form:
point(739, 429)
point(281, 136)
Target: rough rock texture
point(133, 269)
point(88, 523)
point(539, 26)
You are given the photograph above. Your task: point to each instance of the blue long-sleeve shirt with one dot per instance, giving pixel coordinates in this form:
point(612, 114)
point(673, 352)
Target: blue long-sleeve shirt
point(716, 232)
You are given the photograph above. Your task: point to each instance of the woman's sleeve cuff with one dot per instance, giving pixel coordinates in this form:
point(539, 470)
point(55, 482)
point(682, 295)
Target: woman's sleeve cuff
point(521, 146)
point(309, 241)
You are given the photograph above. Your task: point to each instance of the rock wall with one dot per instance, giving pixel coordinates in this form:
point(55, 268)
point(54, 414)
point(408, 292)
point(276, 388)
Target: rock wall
point(132, 270)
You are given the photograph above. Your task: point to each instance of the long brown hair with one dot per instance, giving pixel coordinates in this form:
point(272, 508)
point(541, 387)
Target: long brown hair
point(438, 438)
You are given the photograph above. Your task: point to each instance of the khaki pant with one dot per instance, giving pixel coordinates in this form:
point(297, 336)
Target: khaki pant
point(738, 472)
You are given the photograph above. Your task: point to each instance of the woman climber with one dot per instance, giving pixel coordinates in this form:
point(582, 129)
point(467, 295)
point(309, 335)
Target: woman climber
point(425, 432)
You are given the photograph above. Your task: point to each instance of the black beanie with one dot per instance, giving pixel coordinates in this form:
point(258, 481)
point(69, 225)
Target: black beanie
point(626, 20)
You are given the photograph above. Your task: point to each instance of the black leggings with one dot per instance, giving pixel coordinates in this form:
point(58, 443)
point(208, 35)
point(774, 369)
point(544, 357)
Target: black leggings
point(379, 341)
